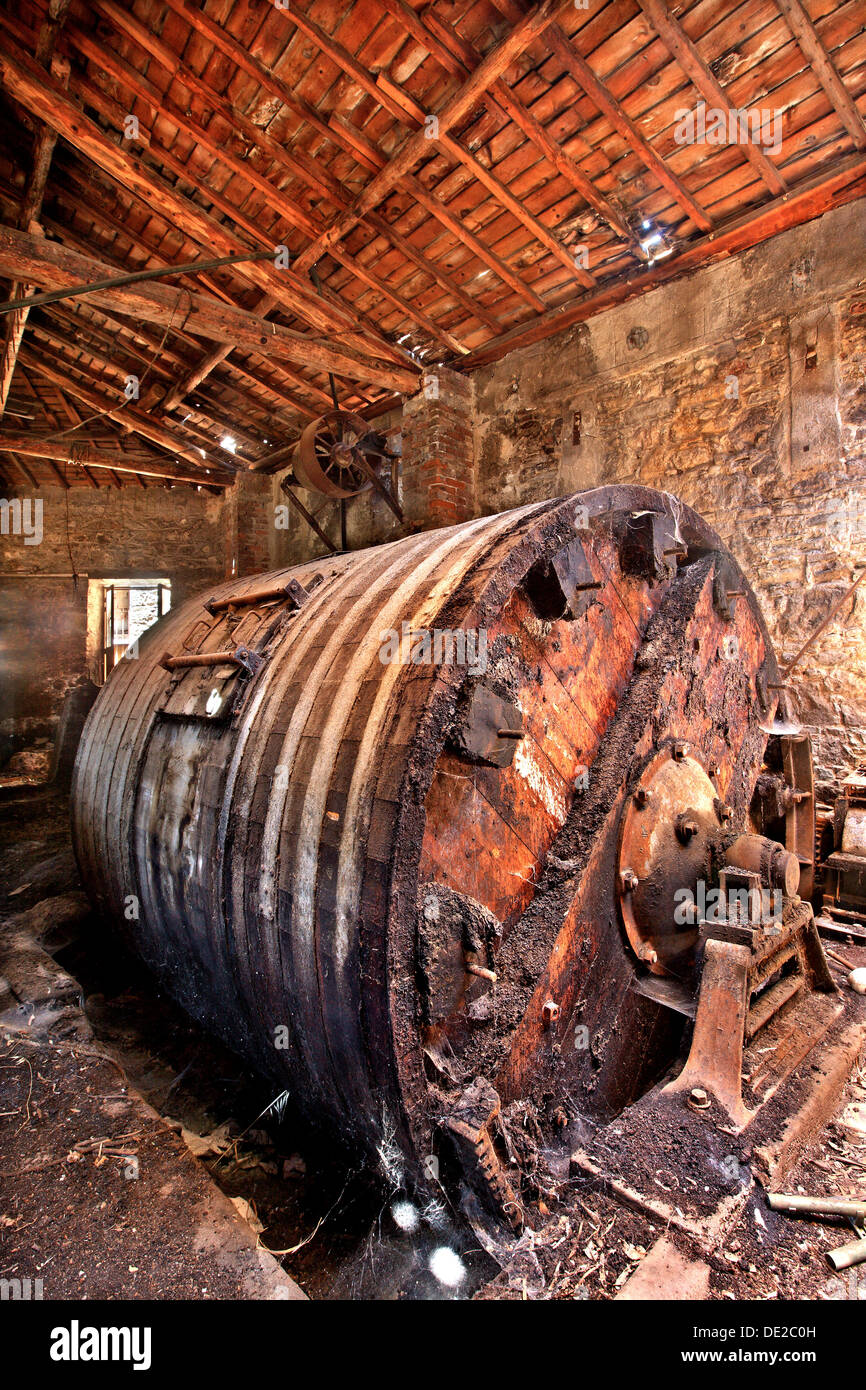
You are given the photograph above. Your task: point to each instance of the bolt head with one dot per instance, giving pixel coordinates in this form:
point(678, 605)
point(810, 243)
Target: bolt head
point(725, 812)
point(679, 749)
point(629, 880)
point(699, 1097)
point(549, 1012)
point(642, 796)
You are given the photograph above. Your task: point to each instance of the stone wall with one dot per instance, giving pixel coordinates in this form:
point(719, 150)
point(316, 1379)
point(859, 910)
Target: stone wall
point(176, 534)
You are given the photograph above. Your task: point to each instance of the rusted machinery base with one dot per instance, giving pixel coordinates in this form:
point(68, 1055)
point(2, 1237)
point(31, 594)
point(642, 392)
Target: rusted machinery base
point(766, 999)
point(766, 1151)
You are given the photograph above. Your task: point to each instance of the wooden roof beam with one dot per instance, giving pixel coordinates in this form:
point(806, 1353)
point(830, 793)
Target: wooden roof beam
point(320, 179)
point(337, 130)
point(399, 104)
point(132, 421)
point(85, 330)
point(686, 53)
point(803, 201)
point(86, 457)
point(460, 57)
point(325, 307)
point(61, 477)
point(53, 266)
point(583, 75)
point(29, 85)
point(34, 193)
point(283, 204)
point(808, 38)
point(428, 200)
point(26, 474)
point(534, 23)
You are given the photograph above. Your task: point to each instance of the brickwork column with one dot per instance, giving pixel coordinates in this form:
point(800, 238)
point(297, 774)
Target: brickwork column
point(439, 451)
point(249, 525)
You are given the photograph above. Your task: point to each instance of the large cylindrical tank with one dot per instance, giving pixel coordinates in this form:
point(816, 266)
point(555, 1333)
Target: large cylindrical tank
point(363, 816)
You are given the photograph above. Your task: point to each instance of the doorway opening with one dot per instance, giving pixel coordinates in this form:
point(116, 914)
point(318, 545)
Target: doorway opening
point(128, 607)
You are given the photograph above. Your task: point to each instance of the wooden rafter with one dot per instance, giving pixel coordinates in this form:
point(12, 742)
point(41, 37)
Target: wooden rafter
point(808, 38)
point(428, 200)
point(129, 419)
point(309, 173)
point(579, 69)
point(303, 125)
point(460, 58)
point(345, 135)
point(53, 266)
point(686, 53)
point(45, 100)
point(401, 104)
point(417, 146)
point(287, 209)
point(46, 139)
point(86, 456)
point(809, 199)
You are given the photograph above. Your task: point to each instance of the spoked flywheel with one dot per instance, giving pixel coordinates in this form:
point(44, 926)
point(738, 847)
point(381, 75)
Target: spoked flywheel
point(332, 451)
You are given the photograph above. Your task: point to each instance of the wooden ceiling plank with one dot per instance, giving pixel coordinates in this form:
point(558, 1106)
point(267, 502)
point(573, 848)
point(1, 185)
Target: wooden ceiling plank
point(803, 201)
point(416, 146)
point(437, 208)
point(61, 477)
point(28, 476)
point(315, 308)
point(689, 59)
point(336, 128)
point(20, 76)
point(401, 105)
point(103, 350)
point(161, 367)
point(319, 179)
point(579, 69)
point(460, 57)
point(283, 204)
point(809, 40)
point(486, 177)
point(132, 421)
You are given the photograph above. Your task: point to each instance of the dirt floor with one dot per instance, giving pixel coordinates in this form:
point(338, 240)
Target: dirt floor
point(126, 1135)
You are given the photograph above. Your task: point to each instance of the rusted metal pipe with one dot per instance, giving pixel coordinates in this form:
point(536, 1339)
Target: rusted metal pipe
point(177, 663)
point(818, 1206)
point(844, 1256)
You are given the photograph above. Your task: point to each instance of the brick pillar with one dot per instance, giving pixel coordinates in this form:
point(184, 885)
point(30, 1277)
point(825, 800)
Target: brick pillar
point(249, 524)
point(439, 451)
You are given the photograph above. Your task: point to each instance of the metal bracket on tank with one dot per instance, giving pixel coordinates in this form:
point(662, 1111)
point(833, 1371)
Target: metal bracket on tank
point(649, 546)
point(561, 587)
point(487, 729)
point(727, 585)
